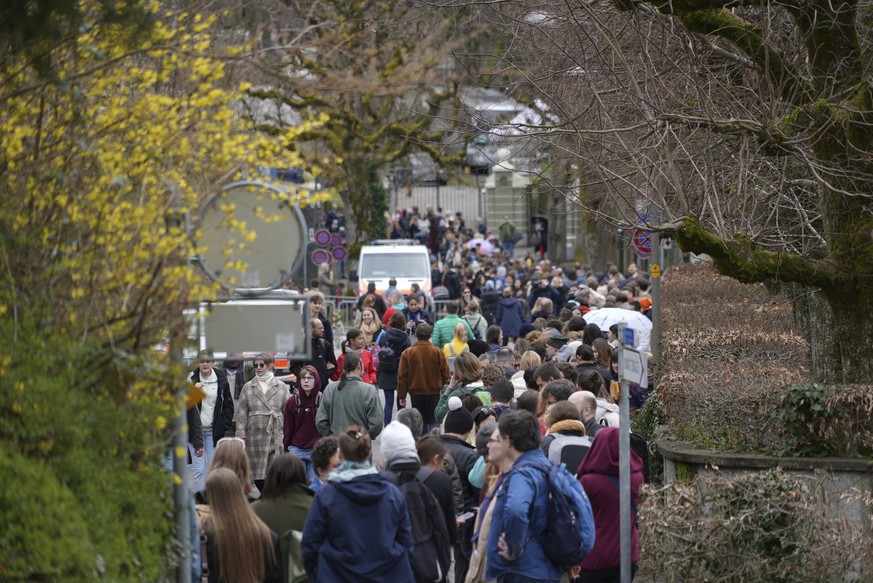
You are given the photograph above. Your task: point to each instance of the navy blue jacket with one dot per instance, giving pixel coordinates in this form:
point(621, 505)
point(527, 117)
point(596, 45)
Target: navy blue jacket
point(359, 531)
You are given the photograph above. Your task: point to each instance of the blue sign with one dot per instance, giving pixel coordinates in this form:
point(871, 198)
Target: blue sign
point(628, 336)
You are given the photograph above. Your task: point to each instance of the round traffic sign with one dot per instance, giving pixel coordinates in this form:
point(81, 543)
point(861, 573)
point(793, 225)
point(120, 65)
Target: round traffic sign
point(339, 253)
point(322, 237)
point(320, 256)
point(641, 241)
point(336, 241)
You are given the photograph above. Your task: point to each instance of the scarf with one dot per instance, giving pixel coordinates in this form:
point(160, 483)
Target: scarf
point(348, 470)
point(568, 425)
point(264, 381)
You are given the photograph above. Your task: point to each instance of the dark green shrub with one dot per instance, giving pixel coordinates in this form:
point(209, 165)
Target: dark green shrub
point(821, 420)
point(648, 422)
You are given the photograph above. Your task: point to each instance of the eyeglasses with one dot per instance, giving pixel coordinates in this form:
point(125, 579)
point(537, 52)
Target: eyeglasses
point(260, 365)
point(307, 379)
point(223, 439)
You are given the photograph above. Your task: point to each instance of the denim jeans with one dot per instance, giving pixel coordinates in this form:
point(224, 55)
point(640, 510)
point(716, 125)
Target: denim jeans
point(509, 247)
point(202, 463)
point(304, 454)
point(389, 404)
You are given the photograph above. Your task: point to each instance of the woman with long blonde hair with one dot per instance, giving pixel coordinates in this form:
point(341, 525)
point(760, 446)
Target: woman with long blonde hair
point(231, 455)
point(240, 548)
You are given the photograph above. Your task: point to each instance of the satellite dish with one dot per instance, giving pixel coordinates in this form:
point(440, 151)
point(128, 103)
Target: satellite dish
point(250, 236)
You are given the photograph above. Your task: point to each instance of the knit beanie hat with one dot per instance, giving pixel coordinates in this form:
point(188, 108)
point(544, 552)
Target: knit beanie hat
point(397, 441)
point(458, 419)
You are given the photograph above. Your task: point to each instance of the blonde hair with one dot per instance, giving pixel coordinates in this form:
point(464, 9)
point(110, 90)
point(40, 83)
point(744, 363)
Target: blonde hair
point(231, 455)
point(242, 542)
point(468, 368)
point(473, 305)
point(461, 331)
point(530, 359)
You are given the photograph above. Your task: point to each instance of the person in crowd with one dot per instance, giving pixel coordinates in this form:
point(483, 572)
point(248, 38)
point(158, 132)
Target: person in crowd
point(397, 341)
point(443, 330)
point(502, 396)
point(397, 305)
point(585, 362)
point(494, 338)
point(507, 236)
point(239, 546)
point(195, 440)
point(541, 290)
point(378, 303)
point(230, 454)
point(497, 466)
point(515, 551)
point(586, 403)
point(457, 345)
point(415, 314)
point(598, 475)
point(355, 344)
point(400, 456)
point(237, 374)
point(490, 301)
point(259, 419)
point(300, 432)
point(285, 501)
point(510, 316)
point(358, 526)
point(476, 320)
point(350, 401)
point(318, 311)
point(371, 327)
point(528, 401)
point(466, 380)
point(602, 353)
point(326, 458)
point(422, 373)
point(458, 425)
point(326, 280)
point(565, 426)
point(215, 409)
point(323, 357)
point(590, 333)
point(529, 360)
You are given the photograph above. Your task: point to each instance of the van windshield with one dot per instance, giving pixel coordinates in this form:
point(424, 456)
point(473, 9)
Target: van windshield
point(401, 265)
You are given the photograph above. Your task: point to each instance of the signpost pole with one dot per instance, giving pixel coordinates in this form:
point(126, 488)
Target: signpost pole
point(624, 482)
point(656, 305)
point(627, 338)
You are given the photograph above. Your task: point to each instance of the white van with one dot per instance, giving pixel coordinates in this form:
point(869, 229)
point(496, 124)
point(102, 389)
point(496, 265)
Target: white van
point(401, 259)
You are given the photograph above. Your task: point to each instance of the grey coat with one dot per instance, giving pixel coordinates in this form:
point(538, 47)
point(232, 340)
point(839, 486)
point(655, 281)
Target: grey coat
point(356, 404)
point(259, 420)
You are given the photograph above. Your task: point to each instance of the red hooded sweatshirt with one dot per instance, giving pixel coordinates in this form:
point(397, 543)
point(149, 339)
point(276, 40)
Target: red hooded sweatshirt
point(598, 474)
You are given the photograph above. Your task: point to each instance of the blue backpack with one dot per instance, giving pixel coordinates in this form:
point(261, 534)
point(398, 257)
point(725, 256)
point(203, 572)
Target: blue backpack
point(569, 535)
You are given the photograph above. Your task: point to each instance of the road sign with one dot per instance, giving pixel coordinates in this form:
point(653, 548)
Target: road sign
point(627, 335)
point(320, 256)
point(336, 241)
point(322, 237)
point(656, 271)
point(339, 253)
point(633, 366)
point(641, 241)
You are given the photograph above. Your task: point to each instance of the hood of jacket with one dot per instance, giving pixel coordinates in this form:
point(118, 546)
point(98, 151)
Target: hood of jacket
point(508, 302)
point(602, 458)
point(604, 404)
point(364, 490)
point(394, 337)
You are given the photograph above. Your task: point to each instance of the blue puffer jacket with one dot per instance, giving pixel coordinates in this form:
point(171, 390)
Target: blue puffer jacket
point(521, 511)
point(358, 530)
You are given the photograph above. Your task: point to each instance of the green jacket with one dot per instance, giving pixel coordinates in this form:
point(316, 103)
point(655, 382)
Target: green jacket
point(444, 330)
point(285, 512)
point(356, 404)
point(442, 408)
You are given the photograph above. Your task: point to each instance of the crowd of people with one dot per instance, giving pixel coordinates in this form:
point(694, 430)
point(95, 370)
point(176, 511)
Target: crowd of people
point(472, 407)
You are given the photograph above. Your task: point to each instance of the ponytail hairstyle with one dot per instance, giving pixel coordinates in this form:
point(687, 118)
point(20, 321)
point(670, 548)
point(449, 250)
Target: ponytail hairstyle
point(351, 361)
point(352, 334)
point(354, 444)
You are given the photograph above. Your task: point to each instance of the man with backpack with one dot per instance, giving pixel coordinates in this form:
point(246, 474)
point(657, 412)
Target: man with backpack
point(543, 521)
point(390, 349)
point(429, 500)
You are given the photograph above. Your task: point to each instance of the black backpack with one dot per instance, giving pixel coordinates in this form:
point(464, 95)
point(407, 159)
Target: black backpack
point(430, 537)
point(388, 361)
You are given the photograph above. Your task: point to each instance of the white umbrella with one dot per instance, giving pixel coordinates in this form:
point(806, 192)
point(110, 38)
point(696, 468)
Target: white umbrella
point(606, 317)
